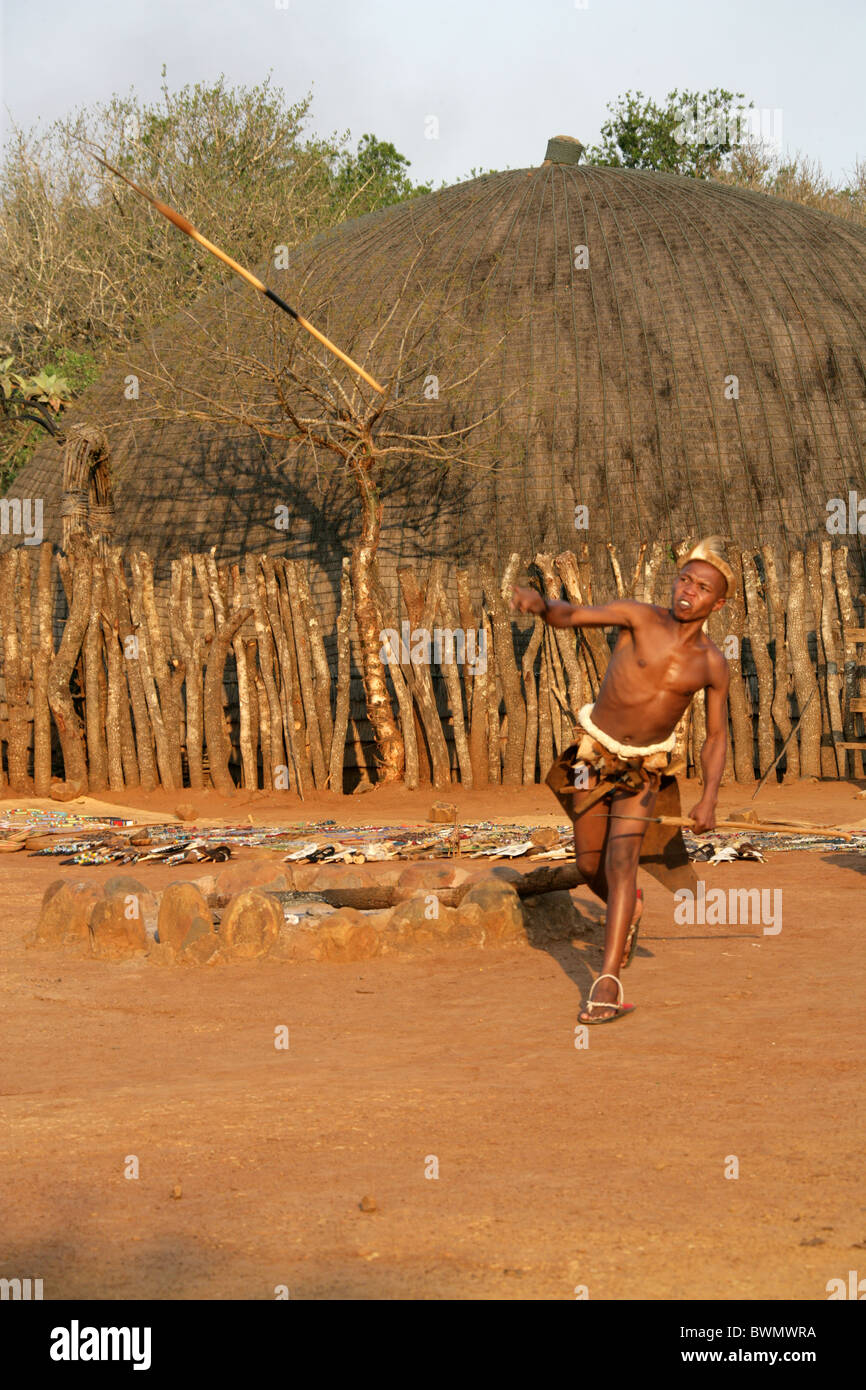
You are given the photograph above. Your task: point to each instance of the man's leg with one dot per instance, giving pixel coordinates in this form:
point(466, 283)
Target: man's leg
point(590, 839)
point(621, 858)
point(590, 844)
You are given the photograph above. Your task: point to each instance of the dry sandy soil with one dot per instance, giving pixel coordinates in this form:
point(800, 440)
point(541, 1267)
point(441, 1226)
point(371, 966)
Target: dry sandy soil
point(558, 1168)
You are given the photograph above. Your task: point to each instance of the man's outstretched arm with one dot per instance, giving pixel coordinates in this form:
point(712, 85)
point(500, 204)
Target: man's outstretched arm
point(558, 613)
point(714, 749)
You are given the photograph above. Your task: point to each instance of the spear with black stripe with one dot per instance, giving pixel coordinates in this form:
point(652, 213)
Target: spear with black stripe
point(183, 223)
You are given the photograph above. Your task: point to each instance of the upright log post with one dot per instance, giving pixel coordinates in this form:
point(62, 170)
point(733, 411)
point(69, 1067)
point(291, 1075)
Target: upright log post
point(189, 639)
point(831, 640)
point(593, 643)
point(815, 594)
point(344, 658)
point(566, 638)
point(420, 618)
point(134, 679)
point(698, 731)
point(452, 678)
point(636, 576)
point(69, 728)
point(849, 627)
point(286, 669)
point(165, 756)
point(41, 666)
point(515, 708)
point(97, 754)
point(304, 666)
point(738, 700)
point(320, 671)
point(758, 630)
point(555, 682)
point(545, 731)
point(298, 735)
point(530, 747)
point(116, 731)
point(494, 752)
point(249, 758)
point(475, 683)
point(804, 673)
point(369, 623)
point(617, 570)
point(26, 653)
point(168, 672)
point(16, 676)
point(783, 675)
point(216, 733)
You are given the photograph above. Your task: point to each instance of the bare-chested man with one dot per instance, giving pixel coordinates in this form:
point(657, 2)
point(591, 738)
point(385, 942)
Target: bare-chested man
point(661, 659)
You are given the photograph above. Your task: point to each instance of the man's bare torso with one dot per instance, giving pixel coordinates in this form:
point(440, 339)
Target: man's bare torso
point(651, 678)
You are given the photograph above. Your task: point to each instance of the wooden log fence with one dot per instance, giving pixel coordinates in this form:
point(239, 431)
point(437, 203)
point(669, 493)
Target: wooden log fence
point(226, 677)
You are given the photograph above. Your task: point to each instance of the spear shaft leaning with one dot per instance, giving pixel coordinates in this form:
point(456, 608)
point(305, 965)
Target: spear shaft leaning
point(184, 225)
point(757, 827)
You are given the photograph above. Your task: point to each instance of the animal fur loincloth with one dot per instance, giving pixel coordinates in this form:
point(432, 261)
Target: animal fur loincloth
point(663, 851)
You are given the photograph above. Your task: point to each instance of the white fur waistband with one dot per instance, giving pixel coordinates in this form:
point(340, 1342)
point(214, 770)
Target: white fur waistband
point(623, 749)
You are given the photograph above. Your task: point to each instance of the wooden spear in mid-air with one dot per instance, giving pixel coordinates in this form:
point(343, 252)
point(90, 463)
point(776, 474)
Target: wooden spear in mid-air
point(186, 226)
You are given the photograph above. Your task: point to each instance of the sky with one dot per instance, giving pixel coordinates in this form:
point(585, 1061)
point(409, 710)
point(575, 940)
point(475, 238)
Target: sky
point(498, 77)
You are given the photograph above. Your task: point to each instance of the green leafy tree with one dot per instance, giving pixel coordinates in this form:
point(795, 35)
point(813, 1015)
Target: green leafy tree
point(376, 173)
point(27, 401)
point(693, 133)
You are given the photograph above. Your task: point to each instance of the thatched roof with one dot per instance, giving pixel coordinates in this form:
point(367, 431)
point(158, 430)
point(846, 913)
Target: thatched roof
point(613, 376)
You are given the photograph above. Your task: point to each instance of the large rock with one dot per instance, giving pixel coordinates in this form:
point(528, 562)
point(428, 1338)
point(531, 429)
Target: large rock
point(138, 898)
point(65, 916)
point(301, 876)
point(206, 884)
point(65, 791)
point(426, 877)
point(115, 934)
point(54, 887)
point(251, 873)
point(492, 909)
point(250, 926)
point(299, 942)
point(448, 882)
point(201, 944)
point(348, 935)
point(328, 876)
point(420, 923)
point(181, 905)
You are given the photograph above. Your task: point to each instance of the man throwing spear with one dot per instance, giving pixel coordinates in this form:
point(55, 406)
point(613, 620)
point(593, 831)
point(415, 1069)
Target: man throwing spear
point(620, 771)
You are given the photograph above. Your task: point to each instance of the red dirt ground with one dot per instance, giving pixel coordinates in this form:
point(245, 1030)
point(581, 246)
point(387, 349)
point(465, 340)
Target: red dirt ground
point(558, 1168)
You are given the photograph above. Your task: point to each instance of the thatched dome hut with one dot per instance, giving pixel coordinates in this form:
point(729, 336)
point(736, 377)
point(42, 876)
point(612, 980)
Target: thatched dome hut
point(675, 355)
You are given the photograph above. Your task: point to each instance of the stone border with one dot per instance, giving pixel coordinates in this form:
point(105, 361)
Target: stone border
point(255, 910)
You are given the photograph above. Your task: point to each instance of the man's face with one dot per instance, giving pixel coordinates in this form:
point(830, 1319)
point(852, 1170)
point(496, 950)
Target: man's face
point(699, 589)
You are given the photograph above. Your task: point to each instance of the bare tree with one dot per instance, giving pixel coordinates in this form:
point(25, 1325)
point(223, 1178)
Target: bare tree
point(298, 396)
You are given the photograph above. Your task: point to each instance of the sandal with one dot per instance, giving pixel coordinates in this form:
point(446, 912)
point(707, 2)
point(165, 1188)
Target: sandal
point(621, 1009)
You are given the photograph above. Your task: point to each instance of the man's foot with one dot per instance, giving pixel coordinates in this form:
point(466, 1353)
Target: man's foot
point(608, 1005)
point(631, 939)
